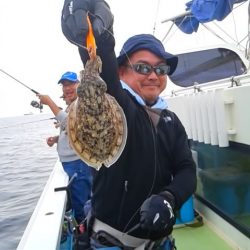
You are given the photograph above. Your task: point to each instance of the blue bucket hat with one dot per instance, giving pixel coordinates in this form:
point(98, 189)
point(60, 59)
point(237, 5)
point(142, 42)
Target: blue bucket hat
point(69, 76)
point(148, 42)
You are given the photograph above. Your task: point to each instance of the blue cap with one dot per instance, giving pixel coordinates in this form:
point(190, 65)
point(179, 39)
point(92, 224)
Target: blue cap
point(69, 76)
point(148, 42)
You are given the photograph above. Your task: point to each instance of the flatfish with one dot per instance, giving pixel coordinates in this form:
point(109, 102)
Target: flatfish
point(96, 124)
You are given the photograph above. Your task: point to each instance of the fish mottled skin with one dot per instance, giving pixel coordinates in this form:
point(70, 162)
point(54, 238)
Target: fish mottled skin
point(96, 123)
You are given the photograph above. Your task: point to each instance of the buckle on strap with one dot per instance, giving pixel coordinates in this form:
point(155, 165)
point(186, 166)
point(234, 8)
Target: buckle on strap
point(125, 239)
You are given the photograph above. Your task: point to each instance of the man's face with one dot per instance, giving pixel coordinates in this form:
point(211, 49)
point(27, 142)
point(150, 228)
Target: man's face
point(148, 86)
point(69, 91)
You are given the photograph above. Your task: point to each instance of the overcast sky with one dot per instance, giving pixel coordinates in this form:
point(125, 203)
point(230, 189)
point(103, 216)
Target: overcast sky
point(34, 50)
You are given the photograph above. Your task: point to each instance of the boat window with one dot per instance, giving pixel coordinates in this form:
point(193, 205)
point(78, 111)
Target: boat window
point(207, 65)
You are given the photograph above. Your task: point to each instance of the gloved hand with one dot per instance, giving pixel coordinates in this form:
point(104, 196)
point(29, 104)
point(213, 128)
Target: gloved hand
point(74, 22)
point(157, 213)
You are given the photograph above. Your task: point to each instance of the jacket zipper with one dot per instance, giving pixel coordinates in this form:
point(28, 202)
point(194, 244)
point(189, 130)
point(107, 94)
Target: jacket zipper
point(123, 200)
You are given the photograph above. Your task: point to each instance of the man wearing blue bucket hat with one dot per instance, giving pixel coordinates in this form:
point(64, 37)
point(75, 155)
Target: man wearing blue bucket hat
point(80, 188)
point(150, 43)
point(135, 200)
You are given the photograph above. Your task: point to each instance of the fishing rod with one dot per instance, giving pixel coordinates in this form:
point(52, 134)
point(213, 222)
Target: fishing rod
point(34, 104)
point(18, 124)
point(34, 91)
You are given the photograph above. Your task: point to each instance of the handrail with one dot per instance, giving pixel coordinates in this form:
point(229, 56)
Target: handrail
point(235, 81)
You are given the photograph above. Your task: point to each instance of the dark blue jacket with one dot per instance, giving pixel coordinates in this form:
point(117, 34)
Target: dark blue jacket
point(154, 159)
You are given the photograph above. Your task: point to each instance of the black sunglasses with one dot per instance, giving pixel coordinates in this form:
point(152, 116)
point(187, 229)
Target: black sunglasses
point(146, 69)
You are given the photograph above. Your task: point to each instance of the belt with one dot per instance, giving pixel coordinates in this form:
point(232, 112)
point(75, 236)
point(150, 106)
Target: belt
point(124, 238)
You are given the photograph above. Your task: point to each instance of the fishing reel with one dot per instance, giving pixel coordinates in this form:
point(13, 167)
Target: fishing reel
point(36, 104)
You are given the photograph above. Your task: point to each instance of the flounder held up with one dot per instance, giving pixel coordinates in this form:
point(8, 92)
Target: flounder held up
point(97, 126)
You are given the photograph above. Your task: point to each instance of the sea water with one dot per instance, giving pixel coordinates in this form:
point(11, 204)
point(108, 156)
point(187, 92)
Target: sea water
point(25, 165)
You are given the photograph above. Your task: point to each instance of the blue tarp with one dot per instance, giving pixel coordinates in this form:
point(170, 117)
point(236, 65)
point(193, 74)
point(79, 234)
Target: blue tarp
point(202, 11)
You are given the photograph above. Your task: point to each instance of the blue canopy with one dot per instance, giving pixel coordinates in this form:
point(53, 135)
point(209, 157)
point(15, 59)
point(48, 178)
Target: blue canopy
point(208, 65)
point(202, 11)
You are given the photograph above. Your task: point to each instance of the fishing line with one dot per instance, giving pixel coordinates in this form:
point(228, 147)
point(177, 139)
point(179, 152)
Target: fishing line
point(20, 124)
point(153, 179)
point(155, 161)
point(34, 91)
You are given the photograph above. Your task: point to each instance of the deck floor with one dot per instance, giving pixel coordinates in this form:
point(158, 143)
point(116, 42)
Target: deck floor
point(197, 238)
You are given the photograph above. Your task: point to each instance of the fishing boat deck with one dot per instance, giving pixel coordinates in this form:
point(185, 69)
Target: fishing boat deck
point(197, 238)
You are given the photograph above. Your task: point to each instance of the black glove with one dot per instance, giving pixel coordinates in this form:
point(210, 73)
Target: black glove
point(74, 22)
point(157, 213)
